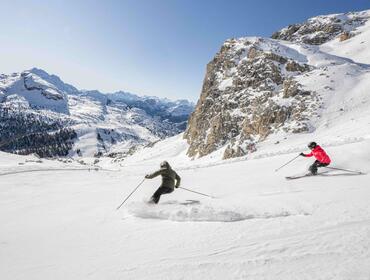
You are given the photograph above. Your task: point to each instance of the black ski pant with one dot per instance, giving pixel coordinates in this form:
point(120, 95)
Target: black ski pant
point(315, 165)
point(161, 190)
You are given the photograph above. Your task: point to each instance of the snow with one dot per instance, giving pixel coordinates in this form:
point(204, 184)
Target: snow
point(225, 84)
point(63, 224)
point(54, 80)
point(40, 94)
point(210, 211)
point(355, 48)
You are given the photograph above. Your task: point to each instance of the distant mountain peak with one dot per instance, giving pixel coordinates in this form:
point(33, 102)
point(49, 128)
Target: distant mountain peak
point(88, 122)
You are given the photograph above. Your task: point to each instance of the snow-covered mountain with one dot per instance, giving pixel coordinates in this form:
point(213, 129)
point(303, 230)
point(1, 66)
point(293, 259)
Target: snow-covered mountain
point(268, 89)
point(42, 114)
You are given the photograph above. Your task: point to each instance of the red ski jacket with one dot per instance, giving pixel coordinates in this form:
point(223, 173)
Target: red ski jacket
point(319, 154)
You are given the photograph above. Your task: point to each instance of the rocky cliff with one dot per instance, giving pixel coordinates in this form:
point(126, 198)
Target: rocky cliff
point(255, 87)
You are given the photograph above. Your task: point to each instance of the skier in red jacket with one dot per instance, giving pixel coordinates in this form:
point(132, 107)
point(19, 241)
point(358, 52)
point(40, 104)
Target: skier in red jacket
point(322, 159)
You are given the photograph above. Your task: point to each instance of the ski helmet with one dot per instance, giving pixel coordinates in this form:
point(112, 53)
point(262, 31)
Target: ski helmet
point(164, 164)
point(312, 145)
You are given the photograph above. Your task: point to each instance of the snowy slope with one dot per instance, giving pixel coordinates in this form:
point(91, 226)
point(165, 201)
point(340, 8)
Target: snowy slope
point(355, 48)
point(63, 223)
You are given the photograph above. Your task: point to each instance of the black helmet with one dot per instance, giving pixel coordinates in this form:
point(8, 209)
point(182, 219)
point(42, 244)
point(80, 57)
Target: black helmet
point(164, 164)
point(312, 145)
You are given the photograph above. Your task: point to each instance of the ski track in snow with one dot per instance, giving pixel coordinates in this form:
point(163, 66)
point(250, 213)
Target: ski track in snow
point(206, 212)
point(47, 170)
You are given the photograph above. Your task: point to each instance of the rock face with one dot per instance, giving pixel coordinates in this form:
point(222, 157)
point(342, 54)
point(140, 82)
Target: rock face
point(321, 29)
point(248, 93)
point(256, 87)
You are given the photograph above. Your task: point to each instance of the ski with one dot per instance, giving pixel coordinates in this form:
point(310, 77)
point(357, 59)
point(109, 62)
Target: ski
point(305, 175)
point(355, 172)
point(298, 176)
point(343, 174)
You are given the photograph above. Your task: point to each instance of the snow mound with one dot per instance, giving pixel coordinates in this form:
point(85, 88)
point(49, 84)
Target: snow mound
point(195, 211)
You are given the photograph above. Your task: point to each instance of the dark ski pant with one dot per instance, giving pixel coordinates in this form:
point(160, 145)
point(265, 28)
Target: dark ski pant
point(315, 165)
point(161, 190)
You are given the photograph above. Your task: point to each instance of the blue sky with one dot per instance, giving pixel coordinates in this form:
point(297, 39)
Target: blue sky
point(148, 47)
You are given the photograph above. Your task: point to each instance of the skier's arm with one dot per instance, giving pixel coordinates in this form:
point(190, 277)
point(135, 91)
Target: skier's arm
point(178, 180)
point(308, 155)
point(155, 174)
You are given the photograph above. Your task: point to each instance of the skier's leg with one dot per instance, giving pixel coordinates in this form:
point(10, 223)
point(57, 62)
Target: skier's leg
point(161, 190)
point(164, 190)
point(321, 164)
point(157, 195)
point(167, 190)
point(313, 167)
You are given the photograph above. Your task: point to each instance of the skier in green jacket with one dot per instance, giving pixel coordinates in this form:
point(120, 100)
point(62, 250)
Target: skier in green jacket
point(169, 176)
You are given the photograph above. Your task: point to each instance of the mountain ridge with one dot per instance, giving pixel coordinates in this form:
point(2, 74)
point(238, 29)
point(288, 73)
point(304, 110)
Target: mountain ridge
point(110, 119)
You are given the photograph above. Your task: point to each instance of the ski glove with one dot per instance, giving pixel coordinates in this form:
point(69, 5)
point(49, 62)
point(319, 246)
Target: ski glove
point(302, 154)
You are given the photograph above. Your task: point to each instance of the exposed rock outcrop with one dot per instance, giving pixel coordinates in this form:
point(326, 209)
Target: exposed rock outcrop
point(321, 29)
point(248, 93)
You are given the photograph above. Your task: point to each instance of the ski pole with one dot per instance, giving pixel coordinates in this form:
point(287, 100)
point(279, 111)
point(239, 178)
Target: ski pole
point(342, 169)
point(196, 192)
point(131, 194)
point(286, 163)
